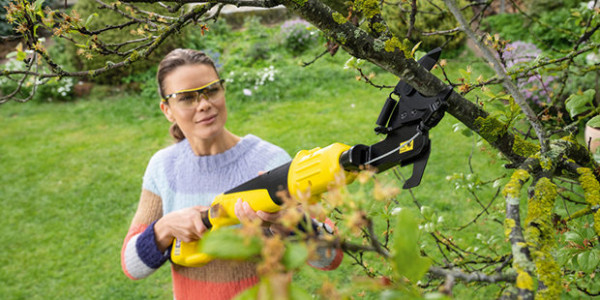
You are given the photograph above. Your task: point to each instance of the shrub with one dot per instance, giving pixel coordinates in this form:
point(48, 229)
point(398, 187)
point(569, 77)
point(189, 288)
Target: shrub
point(48, 90)
point(61, 52)
point(144, 82)
point(252, 83)
point(297, 36)
point(255, 46)
point(509, 26)
point(537, 88)
point(547, 29)
point(5, 27)
point(211, 40)
point(429, 18)
point(541, 6)
point(552, 32)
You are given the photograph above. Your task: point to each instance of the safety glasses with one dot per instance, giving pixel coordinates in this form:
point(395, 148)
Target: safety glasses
point(191, 97)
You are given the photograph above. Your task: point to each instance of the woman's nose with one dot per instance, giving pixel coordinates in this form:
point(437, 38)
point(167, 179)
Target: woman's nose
point(203, 103)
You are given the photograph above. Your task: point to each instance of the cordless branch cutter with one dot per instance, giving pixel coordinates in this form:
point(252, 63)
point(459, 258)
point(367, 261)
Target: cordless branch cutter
point(405, 120)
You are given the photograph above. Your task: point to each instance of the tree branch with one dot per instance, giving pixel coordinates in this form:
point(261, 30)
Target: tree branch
point(237, 3)
point(471, 277)
point(500, 72)
point(522, 262)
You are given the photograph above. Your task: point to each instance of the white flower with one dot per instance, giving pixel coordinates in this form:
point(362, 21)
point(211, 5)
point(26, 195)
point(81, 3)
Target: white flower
point(592, 58)
point(247, 92)
point(396, 211)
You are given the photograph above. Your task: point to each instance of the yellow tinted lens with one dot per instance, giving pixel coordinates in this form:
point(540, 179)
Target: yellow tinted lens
point(186, 99)
point(212, 90)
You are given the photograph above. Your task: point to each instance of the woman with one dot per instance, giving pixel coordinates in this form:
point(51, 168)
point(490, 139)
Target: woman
point(182, 180)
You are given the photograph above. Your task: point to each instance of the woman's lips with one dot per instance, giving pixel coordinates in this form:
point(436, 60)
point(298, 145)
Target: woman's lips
point(207, 120)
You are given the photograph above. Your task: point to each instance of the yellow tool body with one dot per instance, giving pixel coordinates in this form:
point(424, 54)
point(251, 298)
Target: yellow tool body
point(309, 173)
point(313, 171)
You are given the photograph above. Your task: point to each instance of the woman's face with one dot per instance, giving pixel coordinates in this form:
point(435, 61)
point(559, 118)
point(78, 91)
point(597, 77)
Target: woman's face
point(204, 121)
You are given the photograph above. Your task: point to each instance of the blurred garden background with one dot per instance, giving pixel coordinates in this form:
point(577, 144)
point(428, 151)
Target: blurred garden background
point(72, 157)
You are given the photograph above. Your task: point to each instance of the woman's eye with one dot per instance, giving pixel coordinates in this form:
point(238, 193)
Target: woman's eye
point(212, 91)
point(186, 98)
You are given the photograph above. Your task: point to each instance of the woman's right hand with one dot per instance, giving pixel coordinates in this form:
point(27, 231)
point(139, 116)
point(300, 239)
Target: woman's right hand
point(185, 225)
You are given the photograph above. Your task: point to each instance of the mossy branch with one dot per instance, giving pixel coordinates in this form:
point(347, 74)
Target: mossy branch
point(522, 262)
point(539, 233)
point(591, 188)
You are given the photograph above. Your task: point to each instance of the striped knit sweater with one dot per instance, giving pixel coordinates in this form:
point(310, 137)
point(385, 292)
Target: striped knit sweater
point(175, 179)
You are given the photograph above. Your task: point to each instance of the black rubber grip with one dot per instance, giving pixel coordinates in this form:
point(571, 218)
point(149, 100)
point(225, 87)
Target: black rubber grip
point(274, 181)
point(206, 219)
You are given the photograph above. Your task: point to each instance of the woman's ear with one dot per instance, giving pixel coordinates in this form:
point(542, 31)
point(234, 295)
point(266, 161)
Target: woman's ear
point(167, 111)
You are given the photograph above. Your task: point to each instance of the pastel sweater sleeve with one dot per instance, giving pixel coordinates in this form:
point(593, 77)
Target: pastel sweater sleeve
point(140, 256)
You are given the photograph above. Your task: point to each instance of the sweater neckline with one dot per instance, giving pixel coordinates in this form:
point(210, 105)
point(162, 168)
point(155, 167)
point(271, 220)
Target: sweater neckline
point(219, 159)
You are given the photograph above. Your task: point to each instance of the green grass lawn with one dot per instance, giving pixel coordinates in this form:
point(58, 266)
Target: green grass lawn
point(71, 174)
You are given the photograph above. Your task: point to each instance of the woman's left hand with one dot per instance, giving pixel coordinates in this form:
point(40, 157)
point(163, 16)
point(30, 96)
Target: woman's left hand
point(244, 212)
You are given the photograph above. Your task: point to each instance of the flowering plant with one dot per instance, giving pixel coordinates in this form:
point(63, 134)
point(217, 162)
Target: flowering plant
point(298, 35)
point(251, 82)
point(535, 87)
point(46, 89)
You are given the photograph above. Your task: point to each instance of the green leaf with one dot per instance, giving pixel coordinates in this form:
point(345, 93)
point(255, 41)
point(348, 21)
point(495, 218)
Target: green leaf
point(295, 255)
point(418, 54)
point(40, 14)
point(249, 294)
point(489, 93)
point(37, 5)
point(595, 258)
point(467, 132)
point(89, 19)
point(594, 122)
point(21, 55)
point(588, 260)
point(228, 243)
point(564, 255)
point(465, 74)
point(298, 293)
point(573, 236)
point(580, 103)
point(428, 213)
point(514, 107)
point(406, 257)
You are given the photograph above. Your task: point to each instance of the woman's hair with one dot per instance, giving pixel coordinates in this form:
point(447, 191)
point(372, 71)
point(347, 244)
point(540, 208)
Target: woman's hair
point(173, 60)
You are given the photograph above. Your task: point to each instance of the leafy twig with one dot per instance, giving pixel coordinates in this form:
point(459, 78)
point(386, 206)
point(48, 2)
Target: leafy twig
point(500, 72)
